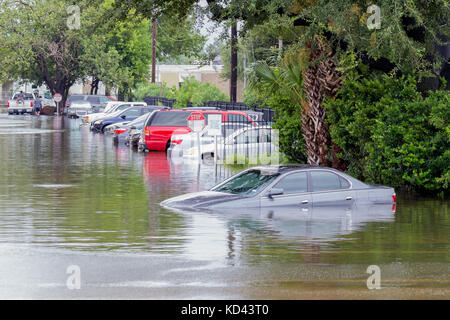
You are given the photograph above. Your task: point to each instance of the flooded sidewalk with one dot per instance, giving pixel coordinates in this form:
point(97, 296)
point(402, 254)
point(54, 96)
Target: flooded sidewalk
point(69, 197)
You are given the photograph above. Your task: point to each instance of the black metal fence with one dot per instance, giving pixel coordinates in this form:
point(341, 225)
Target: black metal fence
point(159, 101)
point(267, 114)
point(241, 142)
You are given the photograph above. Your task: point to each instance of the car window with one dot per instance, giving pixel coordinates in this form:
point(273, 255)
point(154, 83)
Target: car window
point(123, 107)
point(170, 119)
point(237, 118)
point(344, 183)
point(105, 99)
point(132, 112)
point(324, 180)
point(144, 111)
point(249, 136)
point(75, 98)
point(294, 183)
point(93, 99)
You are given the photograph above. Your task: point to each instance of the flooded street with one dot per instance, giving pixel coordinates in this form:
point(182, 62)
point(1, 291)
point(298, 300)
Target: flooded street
point(68, 197)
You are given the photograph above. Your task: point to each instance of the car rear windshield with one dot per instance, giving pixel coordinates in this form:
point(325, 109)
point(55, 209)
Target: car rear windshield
point(170, 119)
point(26, 96)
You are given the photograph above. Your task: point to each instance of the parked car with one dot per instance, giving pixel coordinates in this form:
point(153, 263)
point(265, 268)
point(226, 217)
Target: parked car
point(79, 109)
point(47, 100)
point(133, 138)
point(286, 186)
point(90, 119)
point(160, 127)
point(111, 104)
point(248, 141)
point(21, 103)
point(180, 143)
point(121, 131)
point(129, 114)
point(98, 102)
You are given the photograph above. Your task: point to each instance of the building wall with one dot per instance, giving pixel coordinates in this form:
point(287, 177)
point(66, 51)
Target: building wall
point(5, 93)
point(172, 75)
point(171, 79)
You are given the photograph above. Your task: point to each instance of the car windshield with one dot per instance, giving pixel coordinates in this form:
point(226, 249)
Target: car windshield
point(115, 113)
point(139, 120)
point(247, 183)
point(80, 104)
point(26, 96)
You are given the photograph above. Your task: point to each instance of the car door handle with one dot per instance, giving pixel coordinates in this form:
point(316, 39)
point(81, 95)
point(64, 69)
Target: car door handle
point(348, 198)
point(305, 202)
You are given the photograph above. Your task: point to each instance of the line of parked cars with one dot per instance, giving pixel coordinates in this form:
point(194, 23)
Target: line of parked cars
point(157, 128)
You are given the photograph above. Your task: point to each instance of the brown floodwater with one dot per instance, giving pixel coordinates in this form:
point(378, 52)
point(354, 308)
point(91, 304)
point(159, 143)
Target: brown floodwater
point(69, 197)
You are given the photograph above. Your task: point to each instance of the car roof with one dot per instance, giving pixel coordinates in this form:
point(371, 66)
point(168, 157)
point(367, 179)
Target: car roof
point(203, 109)
point(282, 168)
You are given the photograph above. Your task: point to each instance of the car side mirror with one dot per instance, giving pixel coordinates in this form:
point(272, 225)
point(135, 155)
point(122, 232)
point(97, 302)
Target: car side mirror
point(123, 117)
point(275, 192)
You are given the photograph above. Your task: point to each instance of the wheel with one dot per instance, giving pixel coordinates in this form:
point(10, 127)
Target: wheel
point(168, 145)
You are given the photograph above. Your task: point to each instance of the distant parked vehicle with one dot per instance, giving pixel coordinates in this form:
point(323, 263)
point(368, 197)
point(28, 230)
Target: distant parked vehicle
point(129, 114)
point(180, 143)
point(90, 119)
point(21, 102)
point(97, 102)
point(79, 109)
point(250, 142)
point(286, 186)
point(122, 130)
point(160, 127)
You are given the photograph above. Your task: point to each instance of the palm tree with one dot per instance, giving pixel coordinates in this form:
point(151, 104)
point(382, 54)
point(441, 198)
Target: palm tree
point(312, 75)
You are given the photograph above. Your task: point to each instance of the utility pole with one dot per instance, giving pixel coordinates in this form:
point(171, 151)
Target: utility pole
point(234, 60)
point(155, 25)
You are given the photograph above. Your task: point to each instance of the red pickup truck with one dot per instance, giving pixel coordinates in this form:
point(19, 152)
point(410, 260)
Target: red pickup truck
point(161, 125)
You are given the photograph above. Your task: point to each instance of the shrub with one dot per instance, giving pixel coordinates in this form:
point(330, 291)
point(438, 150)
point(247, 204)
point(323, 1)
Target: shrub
point(287, 120)
point(391, 134)
point(145, 89)
point(197, 93)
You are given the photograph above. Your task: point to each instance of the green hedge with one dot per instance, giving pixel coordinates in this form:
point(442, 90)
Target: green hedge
point(197, 93)
point(392, 135)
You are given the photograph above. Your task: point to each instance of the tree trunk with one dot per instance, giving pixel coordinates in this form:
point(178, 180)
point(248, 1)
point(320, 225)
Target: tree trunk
point(234, 61)
point(321, 79)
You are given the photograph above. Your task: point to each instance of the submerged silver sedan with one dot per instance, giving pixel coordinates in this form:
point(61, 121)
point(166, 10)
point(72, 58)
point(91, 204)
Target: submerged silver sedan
point(285, 186)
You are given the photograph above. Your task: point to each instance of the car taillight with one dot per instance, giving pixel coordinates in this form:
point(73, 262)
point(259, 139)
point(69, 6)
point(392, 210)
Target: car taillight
point(177, 141)
point(8, 104)
point(394, 198)
point(119, 131)
point(147, 132)
point(31, 104)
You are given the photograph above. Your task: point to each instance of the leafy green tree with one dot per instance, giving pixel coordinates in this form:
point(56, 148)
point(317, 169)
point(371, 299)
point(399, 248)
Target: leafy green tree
point(145, 89)
point(38, 45)
point(197, 93)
